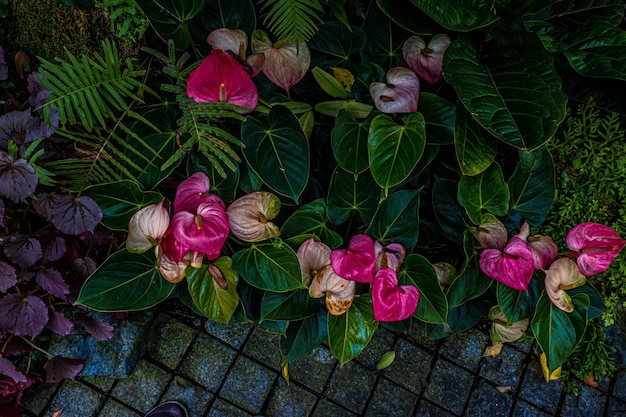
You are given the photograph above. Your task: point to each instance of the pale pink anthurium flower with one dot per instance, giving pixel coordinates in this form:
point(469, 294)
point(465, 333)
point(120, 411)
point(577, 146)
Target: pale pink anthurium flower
point(235, 43)
point(597, 245)
point(543, 248)
point(249, 216)
point(392, 302)
point(399, 94)
point(339, 292)
point(513, 266)
point(563, 275)
point(491, 233)
point(390, 256)
point(147, 227)
point(426, 61)
point(356, 263)
point(312, 256)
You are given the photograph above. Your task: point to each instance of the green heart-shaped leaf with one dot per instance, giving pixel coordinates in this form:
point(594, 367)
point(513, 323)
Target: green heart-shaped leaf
point(349, 333)
point(232, 14)
point(334, 44)
point(384, 39)
point(439, 116)
point(596, 302)
point(310, 219)
point(470, 284)
point(278, 152)
point(348, 193)
point(407, 16)
point(462, 15)
point(450, 215)
point(136, 286)
point(475, 149)
point(460, 319)
point(303, 336)
point(292, 305)
point(432, 306)
point(169, 18)
point(397, 220)
point(214, 302)
point(349, 142)
point(485, 191)
point(518, 305)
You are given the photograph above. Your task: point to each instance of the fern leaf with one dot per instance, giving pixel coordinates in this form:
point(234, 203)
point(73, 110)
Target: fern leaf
point(294, 20)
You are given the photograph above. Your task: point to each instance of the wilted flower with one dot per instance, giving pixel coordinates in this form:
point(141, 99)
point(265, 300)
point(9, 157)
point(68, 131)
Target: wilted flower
point(392, 302)
point(562, 275)
point(147, 227)
point(446, 273)
point(513, 266)
point(399, 94)
point(312, 256)
point(248, 216)
point(390, 256)
point(501, 332)
point(339, 292)
point(426, 61)
point(490, 233)
point(543, 248)
point(285, 63)
point(356, 263)
point(597, 245)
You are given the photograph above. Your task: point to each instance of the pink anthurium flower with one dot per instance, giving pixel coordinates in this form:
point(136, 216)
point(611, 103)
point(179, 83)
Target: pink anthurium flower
point(219, 78)
point(312, 256)
point(235, 43)
point(194, 191)
point(356, 263)
point(285, 63)
point(390, 256)
point(392, 302)
point(426, 61)
point(147, 227)
point(513, 266)
point(597, 245)
point(174, 250)
point(399, 94)
point(543, 247)
point(205, 231)
point(491, 233)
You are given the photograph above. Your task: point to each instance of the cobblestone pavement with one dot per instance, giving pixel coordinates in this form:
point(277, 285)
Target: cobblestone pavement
point(234, 371)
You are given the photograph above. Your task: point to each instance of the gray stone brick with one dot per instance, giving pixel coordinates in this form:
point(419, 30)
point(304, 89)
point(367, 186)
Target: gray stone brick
point(143, 388)
point(427, 409)
point(233, 334)
point(488, 401)
point(351, 385)
point(539, 392)
point(36, 398)
point(114, 409)
point(289, 401)
point(327, 408)
point(410, 367)
point(616, 408)
point(381, 343)
point(523, 409)
point(417, 332)
point(449, 386)
point(504, 369)
point(391, 400)
point(465, 349)
point(313, 369)
point(195, 397)
point(207, 362)
point(619, 390)
point(76, 400)
point(264, 347)
point(223, 409)
point(248, 384)
point(169, 340)
point(589, 402)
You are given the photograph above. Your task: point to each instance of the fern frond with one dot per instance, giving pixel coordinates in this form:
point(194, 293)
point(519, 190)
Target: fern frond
point(294, 20)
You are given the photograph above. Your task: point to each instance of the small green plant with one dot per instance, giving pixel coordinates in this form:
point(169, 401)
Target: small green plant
point(126, 19)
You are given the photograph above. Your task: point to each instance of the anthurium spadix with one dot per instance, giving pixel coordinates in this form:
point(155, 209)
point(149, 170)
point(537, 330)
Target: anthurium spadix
point(147, 227)
point(356, 263)
point(312, 257)
point(204, 231)
point(219, 78)
point(562, 275)
point(392, 302)
point(426, 61)
point(249, 216)
point(339, 292)
point(597, 245)
point(513, 266)
point(399, 94)
point(285, 63)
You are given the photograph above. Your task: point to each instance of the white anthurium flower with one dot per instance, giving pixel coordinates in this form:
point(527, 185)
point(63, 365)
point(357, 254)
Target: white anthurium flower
point(312, 256)
point(147, 227)
point(563, 275)
point(399, 94)
point(339, 292)
point(248, 216)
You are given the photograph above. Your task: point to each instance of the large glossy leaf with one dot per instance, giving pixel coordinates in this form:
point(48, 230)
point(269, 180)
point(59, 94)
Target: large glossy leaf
point(349, 142)
point(558, 332)
point(462, 15)
point(119, 201)
point(580, 13)
point(596, 302)
point(470, 284)
point(460, 319)
point(278, 152)
point(303, 336)
point(397, 220)
point(432, 306)
point(485, 191)
point(439, 116)
point(269, 266)
point(169, 18)
point(225, 187)
point(475, 149)
point(311, 219)
point(214, 302)
point(450, 215)
point(518, 305)
point(394, 149)
point(407, 16)
point(348, 193)
point(232, 14)
point(384, 39)
point(349, 333)
point(515, 95)
point(125, 282)
point(334, 44)
point(291, 305)
point(533, 185)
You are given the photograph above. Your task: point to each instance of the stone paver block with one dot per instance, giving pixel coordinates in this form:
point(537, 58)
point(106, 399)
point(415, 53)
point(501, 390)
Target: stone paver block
point(524, 344)
point(313, 369)
point(616, 408)
point(465, 349)
point(327, 408)
point(351, 385)
point(427, 409)
point(619, 390)
point(381, 343)
point(169, 340)
point(223, 409)
point(504, 369)
point(391, 400)
point(36, 398)
point(417, 332)
point(488, 401)
point(589, 402)
point(449, 386)
point(248, 384)
point(103, 383)
point(76, 400)
point(523, 409)
point(410, 367)
point(264, 347)
point(233, 334)
point(289, 400)
point(114, 409)
point(539, 392)
point(143, 388)
point(196, 398)
point(207, 362)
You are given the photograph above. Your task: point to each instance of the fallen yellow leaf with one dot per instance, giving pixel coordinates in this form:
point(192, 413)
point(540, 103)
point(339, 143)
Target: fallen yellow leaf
point(493, 350)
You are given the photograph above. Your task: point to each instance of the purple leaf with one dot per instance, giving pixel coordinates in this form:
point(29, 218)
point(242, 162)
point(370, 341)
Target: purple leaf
point(22, 250)
point(97, 328)
point(38, 93)
point(75, 215)
point(2, 211)
point(18, 179)
point(8, 278)
point(52, 248)
point(4, 69)
point(7, 368)
point(59, 368)
point(60, 324)
point(44, 204)
point(23, 316)
point(13, 127)
point(36, 128)
point(84, 266)
point(52, 282)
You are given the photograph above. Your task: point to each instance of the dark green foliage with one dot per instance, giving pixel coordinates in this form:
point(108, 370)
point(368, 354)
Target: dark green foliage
point(292, 19)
